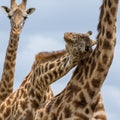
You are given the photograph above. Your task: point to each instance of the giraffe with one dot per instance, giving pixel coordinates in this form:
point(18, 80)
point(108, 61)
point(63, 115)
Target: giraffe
point(17, 15)
point(33, 92)
point(78, 100)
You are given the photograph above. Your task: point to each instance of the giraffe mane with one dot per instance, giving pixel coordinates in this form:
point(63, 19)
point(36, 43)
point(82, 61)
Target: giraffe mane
point(46, 56)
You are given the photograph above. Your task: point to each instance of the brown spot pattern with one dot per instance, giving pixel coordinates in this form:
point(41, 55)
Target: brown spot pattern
point(7, 66)
point(109, 35)
point(108, 18)
point(58, 101)
point(86, 71)
point(91, 93)
point(93, 106)
point(106, 45)
point(87, 111)
point(51, 66)
point(71, 90)
point(100, 68)
point(41, 114)
point(96, 83)
point(80, 103)
point(35, 104)
point(7, 112)
point(67, 112)
point(53, 116)
point(113, 11)
point(105, 59)
point(109, 3)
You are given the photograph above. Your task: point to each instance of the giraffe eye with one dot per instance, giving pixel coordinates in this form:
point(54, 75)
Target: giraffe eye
point(25, 17)
point(9, 16)
point(87, 48)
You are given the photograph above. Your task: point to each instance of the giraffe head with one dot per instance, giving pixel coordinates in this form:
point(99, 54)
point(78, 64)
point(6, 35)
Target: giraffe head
point(79, 45)
point(17, 15)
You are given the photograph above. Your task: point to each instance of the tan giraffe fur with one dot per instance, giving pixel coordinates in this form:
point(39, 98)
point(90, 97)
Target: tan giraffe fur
point(17, 16)
point(22, 104)
point(99, 110)
point(78, 100)
point(44, 57)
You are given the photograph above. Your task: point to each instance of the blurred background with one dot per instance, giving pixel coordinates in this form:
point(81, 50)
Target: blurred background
point(44, 31)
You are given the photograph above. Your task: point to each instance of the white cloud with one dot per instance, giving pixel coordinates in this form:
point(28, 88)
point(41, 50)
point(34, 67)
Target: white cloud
point(112, 94)
point(39, 43)
point(60, 84)
point(111, 97)
point(113, 116)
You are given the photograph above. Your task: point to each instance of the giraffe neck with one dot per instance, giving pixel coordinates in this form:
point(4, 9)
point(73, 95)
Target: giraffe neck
point(90, 75)
point(99, 63)
point(47, 73)
point(7, 79)
point(78, 100)
point(29, 95)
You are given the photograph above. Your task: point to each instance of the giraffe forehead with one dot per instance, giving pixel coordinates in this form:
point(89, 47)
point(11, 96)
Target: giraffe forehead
point(67, 34)
point(78, 36)
point(17, 17)
point(70, 36)
point(17, 11)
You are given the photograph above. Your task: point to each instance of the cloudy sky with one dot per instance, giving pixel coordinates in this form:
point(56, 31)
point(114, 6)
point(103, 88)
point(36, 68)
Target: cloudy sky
point(44, 30)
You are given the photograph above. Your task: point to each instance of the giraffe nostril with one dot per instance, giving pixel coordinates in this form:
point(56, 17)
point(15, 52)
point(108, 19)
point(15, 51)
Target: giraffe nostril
point(87, 48)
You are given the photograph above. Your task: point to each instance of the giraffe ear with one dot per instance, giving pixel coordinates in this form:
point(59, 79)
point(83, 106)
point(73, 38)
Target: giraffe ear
point(5, 9)
point(30, 11)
